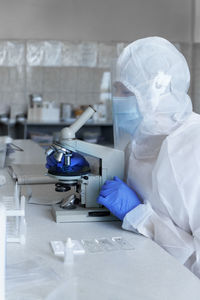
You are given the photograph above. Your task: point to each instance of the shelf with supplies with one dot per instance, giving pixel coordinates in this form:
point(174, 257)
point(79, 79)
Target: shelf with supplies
point(45, 133)
point(68, 123)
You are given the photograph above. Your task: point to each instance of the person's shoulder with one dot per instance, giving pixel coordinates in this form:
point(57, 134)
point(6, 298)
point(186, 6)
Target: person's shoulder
point(190, 127)
point(185, 139)
point(193, 120)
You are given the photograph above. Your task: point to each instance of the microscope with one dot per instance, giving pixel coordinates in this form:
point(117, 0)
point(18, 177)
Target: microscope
point(82, 183)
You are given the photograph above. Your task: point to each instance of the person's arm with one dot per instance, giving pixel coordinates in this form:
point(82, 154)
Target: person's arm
point(124, 203)
point(161, 229)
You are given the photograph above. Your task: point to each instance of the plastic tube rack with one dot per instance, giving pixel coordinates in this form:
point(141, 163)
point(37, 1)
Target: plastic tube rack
point(15, 215)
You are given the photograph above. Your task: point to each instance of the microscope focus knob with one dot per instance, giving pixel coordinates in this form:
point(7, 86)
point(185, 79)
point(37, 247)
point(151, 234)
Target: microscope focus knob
point(62, 188)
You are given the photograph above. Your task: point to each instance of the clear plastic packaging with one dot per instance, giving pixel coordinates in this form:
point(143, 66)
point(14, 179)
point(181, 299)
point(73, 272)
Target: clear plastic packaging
point(122, 243)
point(92, 246)
point(107, 244)
point(96, 245)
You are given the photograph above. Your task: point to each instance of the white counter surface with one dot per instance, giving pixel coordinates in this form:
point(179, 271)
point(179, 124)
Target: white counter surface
point(145, 273)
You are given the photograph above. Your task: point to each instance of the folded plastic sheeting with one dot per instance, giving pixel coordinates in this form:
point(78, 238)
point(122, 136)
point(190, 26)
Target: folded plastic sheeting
point(30, 279)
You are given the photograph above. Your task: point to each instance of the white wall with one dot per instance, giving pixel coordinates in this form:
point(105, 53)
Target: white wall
point(95, 20)
point(82, 20)
point(197, 22)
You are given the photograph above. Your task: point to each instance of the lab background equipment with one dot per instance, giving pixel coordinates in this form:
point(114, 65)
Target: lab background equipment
point(82, 188)
point(14, 203)
point(42, 111)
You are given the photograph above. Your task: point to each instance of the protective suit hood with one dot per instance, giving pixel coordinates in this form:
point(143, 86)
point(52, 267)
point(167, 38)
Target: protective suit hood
point(157, 73)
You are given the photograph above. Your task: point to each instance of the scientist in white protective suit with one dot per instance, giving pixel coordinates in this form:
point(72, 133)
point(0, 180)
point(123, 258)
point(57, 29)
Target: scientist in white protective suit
point(161, 196)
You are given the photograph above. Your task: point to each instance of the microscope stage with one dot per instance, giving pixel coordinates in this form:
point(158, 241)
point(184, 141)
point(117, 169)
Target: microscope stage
point(81, 214)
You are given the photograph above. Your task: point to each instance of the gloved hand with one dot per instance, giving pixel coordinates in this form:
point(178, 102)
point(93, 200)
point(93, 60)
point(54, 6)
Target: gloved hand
point(118, 197)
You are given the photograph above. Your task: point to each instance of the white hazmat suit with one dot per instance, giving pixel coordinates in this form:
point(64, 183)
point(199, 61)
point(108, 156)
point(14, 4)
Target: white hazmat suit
point(163, 160)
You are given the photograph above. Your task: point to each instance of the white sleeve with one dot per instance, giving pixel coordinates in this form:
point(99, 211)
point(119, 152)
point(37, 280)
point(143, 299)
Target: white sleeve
point(161, 229)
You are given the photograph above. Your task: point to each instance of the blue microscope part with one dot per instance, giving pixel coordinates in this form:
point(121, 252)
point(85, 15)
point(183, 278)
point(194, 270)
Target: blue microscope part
point(78, 165)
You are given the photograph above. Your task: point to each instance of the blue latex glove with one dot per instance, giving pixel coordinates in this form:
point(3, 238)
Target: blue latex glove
point(118, 197)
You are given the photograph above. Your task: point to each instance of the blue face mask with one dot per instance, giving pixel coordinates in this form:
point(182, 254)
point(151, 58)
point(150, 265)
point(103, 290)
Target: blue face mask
point(126, 118)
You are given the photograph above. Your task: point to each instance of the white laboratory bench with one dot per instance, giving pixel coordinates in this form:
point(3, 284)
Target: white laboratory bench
point(145, 273)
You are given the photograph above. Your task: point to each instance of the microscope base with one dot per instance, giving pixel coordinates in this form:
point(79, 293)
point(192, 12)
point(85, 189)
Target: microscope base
point(81, 215)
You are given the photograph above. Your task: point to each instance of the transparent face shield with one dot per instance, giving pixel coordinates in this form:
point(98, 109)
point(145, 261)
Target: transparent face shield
point(126, 115)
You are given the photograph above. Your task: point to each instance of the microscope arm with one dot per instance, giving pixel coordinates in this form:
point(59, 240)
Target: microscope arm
point(69, 132)
point(112, 160)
